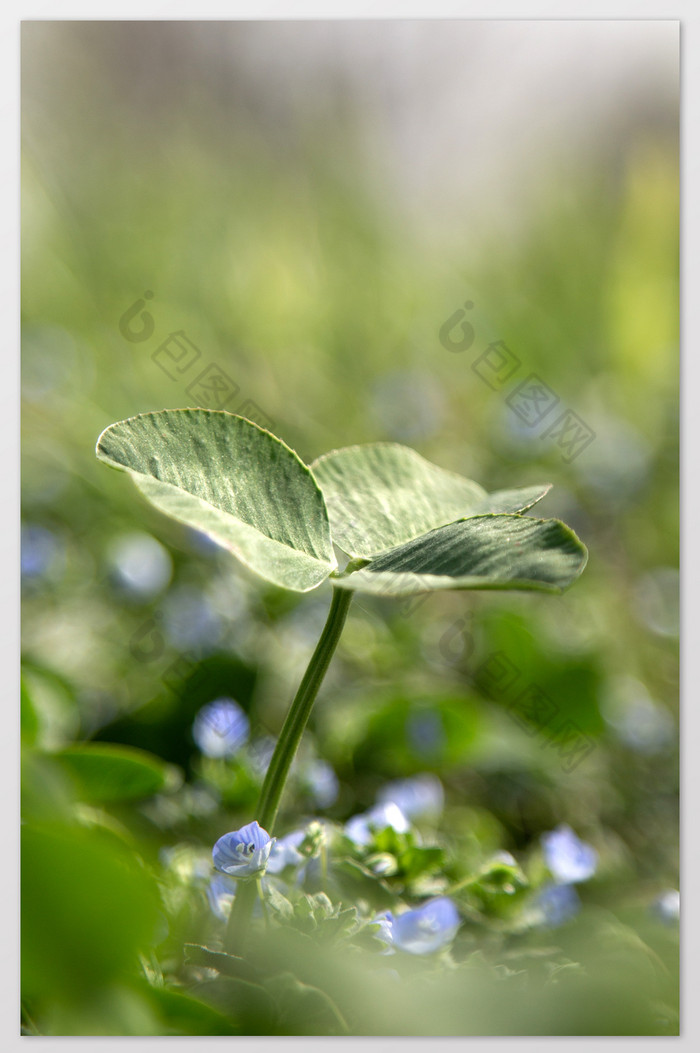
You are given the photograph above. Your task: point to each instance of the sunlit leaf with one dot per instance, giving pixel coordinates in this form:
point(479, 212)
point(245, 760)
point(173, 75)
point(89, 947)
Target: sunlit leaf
point(382, 494)
point(511, 502)
point(484, 552)
point(230, 479)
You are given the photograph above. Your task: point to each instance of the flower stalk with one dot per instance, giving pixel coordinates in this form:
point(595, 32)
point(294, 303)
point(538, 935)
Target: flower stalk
point(285, 750)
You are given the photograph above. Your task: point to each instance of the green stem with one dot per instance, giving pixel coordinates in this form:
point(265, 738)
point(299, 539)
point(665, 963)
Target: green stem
point(282, 758)
point(261, 897)
point(464, 883)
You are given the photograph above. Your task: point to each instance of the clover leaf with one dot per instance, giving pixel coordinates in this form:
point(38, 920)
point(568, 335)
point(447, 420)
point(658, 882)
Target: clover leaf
point(234, 481)
point(482, 552)
point(408, 525)
point(381, 495)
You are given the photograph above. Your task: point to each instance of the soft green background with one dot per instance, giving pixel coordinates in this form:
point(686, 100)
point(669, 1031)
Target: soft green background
point(289, 261)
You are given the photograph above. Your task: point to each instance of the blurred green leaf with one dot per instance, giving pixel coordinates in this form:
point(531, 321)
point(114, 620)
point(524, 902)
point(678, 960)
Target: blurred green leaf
point(318, 1008)
point(29, 720)
point(181, 1014)
point(48, 791)
point(88, 907)
point(277, 903)
point(496, 891)
point(227, 964)
point(247, 1006)
point(232, 480)
point(107, 772)
point(358, 881)
point(402, 732)
point(418, 860)
point(317, 916)
point(49, 706)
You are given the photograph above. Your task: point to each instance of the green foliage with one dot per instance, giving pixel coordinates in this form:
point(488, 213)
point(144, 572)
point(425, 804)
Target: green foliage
point(482, 552)
point(88, 907)
point(179, 1013)
point(116, 773)
point(249, 492)
point(381, 495)
point(234, 481)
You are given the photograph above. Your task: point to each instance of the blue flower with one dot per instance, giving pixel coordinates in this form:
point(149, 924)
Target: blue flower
point(243, 852)
point(385, 921)
point(568, 859)
point(361, 827)
point(285, 852)
point(202, 543)
point(220, 892)
point(41, 553)
point(555, 904)
point(426, 929)
point(419, 797)
point(220, 728)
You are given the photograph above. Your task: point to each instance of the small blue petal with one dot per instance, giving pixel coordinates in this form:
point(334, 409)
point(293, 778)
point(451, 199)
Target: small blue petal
point(220, 728)
point(426, 929)
point(385, 920)
point(568, 859)
point(360, 828)
point(220, 892)
point(556, 904)
point(42, 553)
point(243, 852)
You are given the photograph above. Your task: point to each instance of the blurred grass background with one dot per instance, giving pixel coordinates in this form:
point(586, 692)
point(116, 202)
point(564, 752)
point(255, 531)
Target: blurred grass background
point(309, 203)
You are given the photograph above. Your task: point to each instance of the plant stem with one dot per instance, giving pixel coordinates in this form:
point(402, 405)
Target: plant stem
point(464, 883)
point(283, 755)
point(261, 897)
